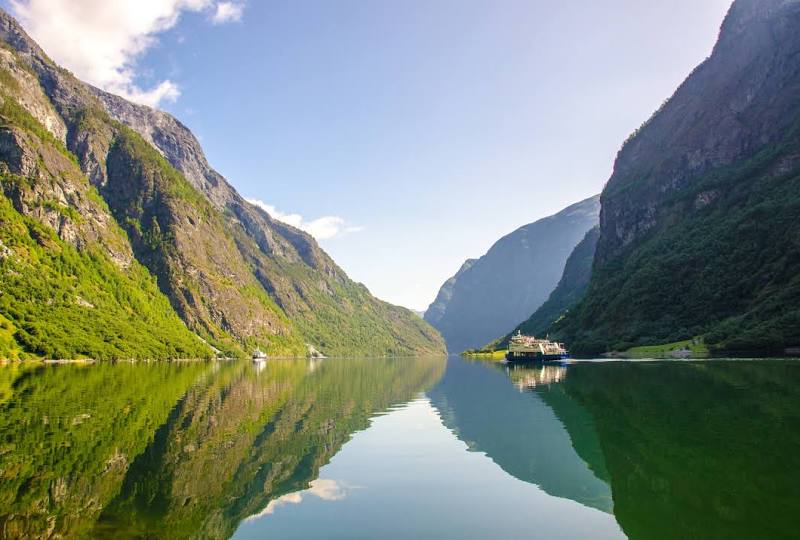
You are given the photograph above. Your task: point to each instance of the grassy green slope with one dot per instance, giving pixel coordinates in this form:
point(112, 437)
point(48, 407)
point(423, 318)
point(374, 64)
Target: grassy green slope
point(237, 279)
point(341, 317)
point(58, 302)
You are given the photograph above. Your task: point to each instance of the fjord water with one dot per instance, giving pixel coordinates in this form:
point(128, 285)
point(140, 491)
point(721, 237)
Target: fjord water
point(400, 448)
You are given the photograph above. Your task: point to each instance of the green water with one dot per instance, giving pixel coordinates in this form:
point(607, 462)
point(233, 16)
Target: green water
point(401, 448)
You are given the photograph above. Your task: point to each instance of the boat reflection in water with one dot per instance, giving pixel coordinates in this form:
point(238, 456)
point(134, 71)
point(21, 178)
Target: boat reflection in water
point(531, 377)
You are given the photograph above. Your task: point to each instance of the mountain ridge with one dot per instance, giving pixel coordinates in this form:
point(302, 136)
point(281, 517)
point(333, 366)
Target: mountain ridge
point(490, 296)
point(235, 276)
point(570, 291)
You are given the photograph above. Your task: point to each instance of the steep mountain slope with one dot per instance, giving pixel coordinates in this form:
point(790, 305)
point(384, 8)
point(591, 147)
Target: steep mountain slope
point(237, 278)
point(69, 283)
point(436, 311)
point(700, 227)
point(490, 296)
point(568, 293)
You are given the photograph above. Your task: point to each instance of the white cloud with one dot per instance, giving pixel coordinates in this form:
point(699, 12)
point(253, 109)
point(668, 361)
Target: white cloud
point(165, 91)
point(101, 40)
point(227, 12)
point(322, 228)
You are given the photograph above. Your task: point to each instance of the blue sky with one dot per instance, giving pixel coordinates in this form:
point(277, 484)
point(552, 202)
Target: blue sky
point(408, 135)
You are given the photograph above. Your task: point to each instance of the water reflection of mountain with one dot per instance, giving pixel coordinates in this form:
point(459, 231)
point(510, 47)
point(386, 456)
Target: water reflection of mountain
point(519, 430)
point(179, 451)
point(688, 449)
point(69, 434)
point(698, 450)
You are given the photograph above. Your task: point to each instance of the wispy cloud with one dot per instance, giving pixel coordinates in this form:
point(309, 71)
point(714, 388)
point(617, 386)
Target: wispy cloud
point(101, 40)
point(227, 12)
point(322, 228)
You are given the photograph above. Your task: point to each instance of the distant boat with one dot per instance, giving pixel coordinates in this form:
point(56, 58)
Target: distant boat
point(522, 348)
point(259, 356)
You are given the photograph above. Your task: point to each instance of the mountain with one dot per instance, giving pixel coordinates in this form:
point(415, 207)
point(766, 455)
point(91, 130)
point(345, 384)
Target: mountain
point(490, 295)
point(700, 226)
point(436, 311)
point(568, 293)
point(122, 241)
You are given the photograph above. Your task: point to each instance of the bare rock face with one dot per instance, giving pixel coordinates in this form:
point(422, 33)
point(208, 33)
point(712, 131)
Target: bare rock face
point(31, 96)
point(732, 105)
point(436, 311)
point(182, 149)
point(66, 207)
point(174, 141)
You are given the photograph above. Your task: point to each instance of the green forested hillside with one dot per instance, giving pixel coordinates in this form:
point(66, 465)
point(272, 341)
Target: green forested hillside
point(58, 302)
point(729, 272)
point(700, 222)
point(120, 241)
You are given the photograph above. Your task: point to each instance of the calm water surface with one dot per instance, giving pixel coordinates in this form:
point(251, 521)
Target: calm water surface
point(401, 448)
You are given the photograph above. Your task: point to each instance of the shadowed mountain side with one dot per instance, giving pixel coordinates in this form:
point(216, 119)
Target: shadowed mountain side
point(568, 293)
point(518, 430)
point(491, 295)
point(701, 216)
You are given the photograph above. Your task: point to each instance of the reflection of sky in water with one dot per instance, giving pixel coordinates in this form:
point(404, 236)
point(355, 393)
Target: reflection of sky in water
point(415, 479)
point(323, 488)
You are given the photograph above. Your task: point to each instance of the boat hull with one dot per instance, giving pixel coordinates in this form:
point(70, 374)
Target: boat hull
point(535, 357)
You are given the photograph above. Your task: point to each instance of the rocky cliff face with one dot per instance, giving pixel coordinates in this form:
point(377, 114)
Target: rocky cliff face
point(733, 105)
point(237, 278)
point(699, 220)
point(491, 295)
point(436, 311)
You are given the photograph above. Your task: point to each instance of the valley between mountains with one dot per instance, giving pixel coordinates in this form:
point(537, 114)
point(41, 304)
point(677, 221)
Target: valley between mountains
point(698, 240)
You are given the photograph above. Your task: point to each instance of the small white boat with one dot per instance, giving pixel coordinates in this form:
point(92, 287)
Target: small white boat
point(259, 356)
